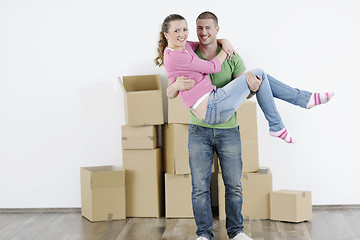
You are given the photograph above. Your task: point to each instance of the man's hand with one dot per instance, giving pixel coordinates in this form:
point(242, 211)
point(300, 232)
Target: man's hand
point(253, 82)
point(183, 84)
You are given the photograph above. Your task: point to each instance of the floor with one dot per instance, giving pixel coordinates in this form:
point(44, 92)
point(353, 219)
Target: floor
point(327, 224)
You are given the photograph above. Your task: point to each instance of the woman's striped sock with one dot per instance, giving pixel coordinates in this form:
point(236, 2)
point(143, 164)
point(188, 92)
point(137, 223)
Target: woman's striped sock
point(284, 135)
point(319, 98)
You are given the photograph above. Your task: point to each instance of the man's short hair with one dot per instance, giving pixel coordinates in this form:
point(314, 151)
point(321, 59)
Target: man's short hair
point(208, 15)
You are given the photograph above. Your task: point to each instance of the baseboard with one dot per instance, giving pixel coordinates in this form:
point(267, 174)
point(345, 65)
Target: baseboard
point(67, 210)
point(39, 210)
point(318, 207)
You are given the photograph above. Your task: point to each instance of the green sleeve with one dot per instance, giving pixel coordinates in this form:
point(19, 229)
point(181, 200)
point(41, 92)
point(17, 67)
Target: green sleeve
point(238, 65)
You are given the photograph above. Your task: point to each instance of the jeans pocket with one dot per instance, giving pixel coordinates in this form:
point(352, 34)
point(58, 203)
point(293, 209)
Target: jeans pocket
point(235, 129)
point(225, 115)
point(193, 128)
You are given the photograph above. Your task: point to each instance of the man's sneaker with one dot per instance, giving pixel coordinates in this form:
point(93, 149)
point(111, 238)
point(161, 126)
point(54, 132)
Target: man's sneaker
point(241, 236)
point(202, 238)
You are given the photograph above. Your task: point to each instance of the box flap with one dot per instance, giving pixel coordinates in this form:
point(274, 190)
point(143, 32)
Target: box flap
point(106, 177)
point(142, 83)
point(296, 192)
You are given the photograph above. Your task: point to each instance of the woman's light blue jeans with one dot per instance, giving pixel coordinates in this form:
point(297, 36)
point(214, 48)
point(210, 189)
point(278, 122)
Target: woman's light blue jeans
point(223, 102)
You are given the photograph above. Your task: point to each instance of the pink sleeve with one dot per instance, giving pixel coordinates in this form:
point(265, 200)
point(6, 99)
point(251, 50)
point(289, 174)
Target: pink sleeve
point(186, 62)
point(192, 45)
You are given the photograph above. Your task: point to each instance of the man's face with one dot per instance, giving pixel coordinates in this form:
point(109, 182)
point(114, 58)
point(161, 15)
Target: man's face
point(206, 31)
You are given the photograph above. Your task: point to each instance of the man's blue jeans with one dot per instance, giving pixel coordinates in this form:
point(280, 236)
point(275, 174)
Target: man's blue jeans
point(226, 143)
point(223, 102)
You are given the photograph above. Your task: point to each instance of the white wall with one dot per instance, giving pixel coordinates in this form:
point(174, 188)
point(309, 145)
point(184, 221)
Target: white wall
point(61, 106)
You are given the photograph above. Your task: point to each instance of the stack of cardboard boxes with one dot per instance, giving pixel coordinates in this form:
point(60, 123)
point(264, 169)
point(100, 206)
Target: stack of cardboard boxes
point(177, 171)
point(256, 182)
point(142, 158)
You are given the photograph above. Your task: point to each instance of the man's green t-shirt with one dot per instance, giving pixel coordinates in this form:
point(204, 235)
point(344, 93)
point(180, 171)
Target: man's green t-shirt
point(229, 69)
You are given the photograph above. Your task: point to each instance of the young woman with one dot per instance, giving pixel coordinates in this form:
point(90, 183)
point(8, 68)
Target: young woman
point(216, 105)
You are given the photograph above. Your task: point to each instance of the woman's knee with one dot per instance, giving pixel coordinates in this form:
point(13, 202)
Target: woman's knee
point(258, 71)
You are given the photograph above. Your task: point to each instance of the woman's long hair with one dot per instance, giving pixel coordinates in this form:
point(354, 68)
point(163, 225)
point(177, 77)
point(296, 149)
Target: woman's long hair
point(159, 60)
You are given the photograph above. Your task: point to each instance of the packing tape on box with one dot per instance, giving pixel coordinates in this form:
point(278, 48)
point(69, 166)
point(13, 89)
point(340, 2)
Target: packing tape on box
point(245, 176)
point(263, 171)
point(151, 138)
point(123, 138)
point(303, 194)
point(110, 217)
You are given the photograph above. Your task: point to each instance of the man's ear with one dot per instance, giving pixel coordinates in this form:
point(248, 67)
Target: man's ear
point(217, 29)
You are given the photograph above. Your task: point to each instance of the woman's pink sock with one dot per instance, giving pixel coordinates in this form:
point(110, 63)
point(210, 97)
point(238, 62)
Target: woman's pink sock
point(284, 135)
point(319, 98)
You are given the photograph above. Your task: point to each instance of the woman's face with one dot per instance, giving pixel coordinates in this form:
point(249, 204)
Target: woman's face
point(177, 34)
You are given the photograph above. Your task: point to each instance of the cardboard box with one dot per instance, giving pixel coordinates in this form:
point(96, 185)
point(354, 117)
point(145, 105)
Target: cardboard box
point(176, 151)
point(290, 206)
point(139, 137)
point(247, 120)
point(177, 113)
point(144, 183)
point(256, 188)
point(178, 202)
point(102, 193)
point(143, 100)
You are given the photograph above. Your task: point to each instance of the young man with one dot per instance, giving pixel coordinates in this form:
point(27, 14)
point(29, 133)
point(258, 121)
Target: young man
point(224, 138)
point(204, 139)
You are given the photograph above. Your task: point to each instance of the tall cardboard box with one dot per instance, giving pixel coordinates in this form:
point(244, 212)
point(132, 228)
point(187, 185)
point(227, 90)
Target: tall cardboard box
point(221, 197)
point(290, 206)
point(144, 183)
point(102, 193)
point(176, 151)
point(177, 113)
point(247, 119)
point(139, 137)
point(178, 202)
point(143, 100)
point(256, 188)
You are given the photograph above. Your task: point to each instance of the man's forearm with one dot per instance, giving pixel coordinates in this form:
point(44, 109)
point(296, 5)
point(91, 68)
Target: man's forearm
point(171, 91)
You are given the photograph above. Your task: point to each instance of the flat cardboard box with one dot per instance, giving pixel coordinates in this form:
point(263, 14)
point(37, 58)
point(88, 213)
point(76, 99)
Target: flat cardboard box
point(290, 206)
point(247, 119)
point(176, 151)
point(139, 137)
point(144, 183)
point(103, 193)
point(178, 196)
point(256, 188)
point(143, 100)
point(177, 113)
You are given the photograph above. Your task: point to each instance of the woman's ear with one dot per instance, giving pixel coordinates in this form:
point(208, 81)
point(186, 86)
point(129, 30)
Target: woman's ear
point(166, 36)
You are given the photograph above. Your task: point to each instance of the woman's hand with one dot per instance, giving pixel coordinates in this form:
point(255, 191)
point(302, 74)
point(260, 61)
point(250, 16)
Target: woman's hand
point(253, 81)
point(227, 47)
